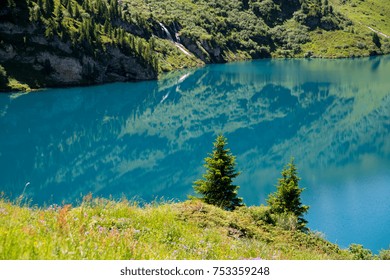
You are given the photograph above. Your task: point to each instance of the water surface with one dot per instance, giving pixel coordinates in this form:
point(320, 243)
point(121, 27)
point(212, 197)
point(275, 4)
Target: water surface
point(148, 140)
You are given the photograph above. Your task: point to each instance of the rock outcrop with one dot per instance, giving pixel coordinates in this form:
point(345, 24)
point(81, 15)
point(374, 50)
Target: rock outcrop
point(34, 59)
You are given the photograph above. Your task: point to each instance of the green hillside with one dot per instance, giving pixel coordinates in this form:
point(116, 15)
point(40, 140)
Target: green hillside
point(104, 229)
point(47, 43)
point(369, 13)
point(101, 229)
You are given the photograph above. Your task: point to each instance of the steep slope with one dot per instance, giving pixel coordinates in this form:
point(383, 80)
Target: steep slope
point(45, 45)
point(102, 229)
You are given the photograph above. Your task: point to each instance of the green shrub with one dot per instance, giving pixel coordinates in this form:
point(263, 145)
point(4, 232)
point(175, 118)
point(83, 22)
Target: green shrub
point(384, 254)
point(360, 253)
point(286, 221)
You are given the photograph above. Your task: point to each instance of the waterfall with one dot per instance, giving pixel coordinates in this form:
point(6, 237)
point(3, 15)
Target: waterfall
point(182, 48)
point(175, 29)
point(169, 36)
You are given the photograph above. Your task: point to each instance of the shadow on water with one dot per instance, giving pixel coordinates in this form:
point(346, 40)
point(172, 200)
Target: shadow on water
point(149, 139)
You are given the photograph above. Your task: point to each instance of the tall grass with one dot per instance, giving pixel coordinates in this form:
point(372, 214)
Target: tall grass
point(106, 229)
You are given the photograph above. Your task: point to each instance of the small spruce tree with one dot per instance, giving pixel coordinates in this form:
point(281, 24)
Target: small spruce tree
point(376, 40)
point(217, 187)
point(287, 198)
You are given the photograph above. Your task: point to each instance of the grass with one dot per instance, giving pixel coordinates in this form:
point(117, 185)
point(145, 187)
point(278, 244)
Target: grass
point(106, 229)
point(15, 85)
point(339, 44)
point(171, 58)
point(373, 13)
point(356, 39)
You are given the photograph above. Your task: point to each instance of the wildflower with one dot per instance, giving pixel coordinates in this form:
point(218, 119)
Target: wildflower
point(114, 232)
point(3, 211)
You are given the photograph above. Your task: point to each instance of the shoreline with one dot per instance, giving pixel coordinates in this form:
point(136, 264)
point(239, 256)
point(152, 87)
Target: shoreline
point(161, 75)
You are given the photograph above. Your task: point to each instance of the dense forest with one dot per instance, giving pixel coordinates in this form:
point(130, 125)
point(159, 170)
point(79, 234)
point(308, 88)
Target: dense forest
point(47, 43)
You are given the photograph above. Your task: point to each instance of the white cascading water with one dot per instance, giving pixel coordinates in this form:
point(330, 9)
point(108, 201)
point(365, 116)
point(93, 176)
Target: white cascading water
point(169, 36)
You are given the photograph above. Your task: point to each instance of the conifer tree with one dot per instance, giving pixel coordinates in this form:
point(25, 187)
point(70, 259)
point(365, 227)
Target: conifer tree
point(76, 11)
point(40, 4)
point(376, 40)
point(69, 8)
point(287, 198)
point(58, 13)
point(217, 187)
point(49, 7)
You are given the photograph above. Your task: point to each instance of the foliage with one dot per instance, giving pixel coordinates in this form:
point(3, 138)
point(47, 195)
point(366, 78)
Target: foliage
point(17, 85)
point(91, 27)
point(376, 40)
point(360, 253)
point(217, 187)
point(384, 254)
point(212, 31)
point(286, 201)
point(373, 13)
point(105, 229)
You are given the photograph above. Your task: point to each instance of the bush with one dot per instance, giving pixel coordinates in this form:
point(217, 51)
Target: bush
point(286, 221)
point(384, 254)
point(360, 253)
point(260, 214)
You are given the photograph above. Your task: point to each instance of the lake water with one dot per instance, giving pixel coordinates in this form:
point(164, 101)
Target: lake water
point(148, 140)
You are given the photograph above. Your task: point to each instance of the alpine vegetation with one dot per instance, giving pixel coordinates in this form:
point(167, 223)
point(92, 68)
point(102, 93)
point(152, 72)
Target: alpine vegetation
point(286, 201)
point(217, 187)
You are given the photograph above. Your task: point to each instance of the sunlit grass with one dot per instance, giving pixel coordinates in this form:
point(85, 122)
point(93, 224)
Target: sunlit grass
point(105, 229)
point(338, 44)
point(18, 86)
point(373, 13)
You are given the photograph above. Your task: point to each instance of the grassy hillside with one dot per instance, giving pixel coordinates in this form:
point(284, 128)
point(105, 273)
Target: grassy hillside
point(369, 13)
point(103, 229)
point(365, 17)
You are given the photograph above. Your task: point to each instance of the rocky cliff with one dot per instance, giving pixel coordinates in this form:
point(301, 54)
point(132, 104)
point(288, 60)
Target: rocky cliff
point(41, 62)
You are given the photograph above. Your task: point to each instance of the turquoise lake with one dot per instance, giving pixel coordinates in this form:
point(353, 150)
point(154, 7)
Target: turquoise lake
point(147, 140)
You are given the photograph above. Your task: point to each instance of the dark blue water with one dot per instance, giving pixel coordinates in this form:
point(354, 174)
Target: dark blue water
point(147, 140)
